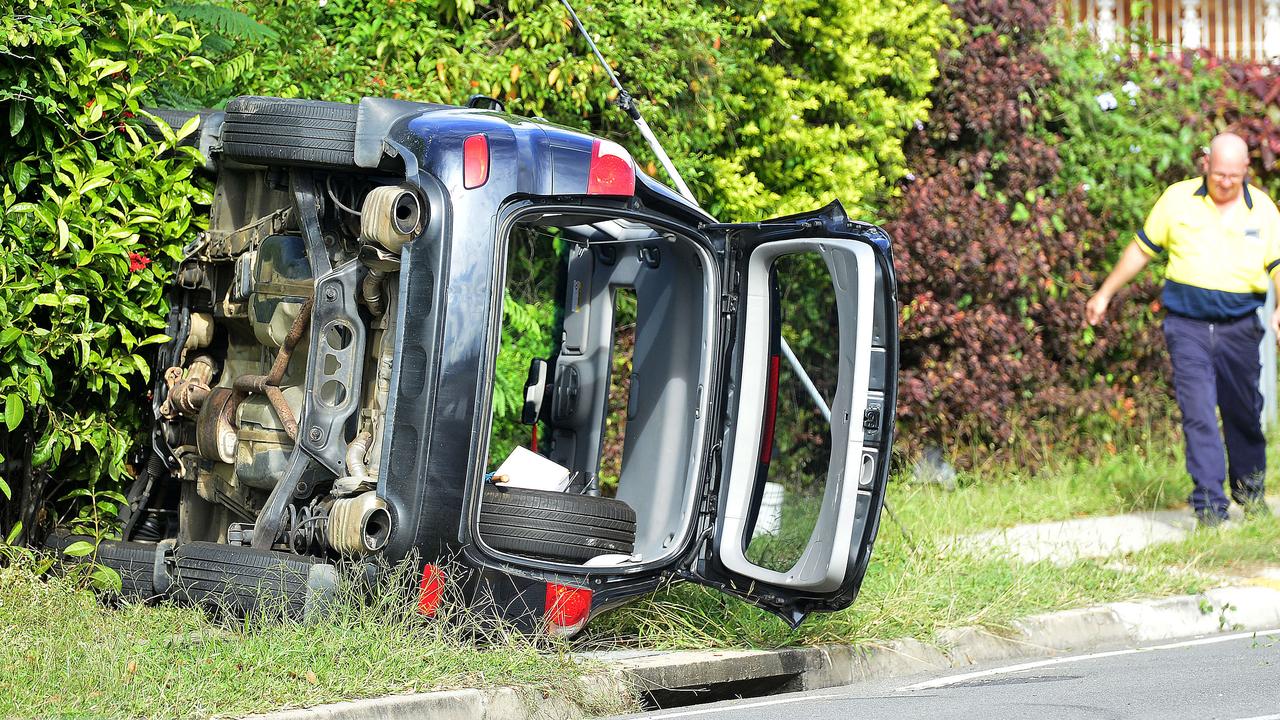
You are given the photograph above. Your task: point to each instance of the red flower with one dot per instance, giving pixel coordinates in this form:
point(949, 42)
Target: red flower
point(138, 261)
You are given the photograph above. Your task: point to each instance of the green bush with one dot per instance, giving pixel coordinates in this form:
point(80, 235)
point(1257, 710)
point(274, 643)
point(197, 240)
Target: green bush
point(766, 108)
point(93, 217)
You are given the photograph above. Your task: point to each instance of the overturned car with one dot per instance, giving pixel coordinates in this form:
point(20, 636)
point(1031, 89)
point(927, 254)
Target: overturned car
point(327, 394)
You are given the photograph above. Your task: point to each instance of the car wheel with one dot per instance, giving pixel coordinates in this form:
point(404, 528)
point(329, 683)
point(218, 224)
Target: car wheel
point(280, 131)
point(243, 580)
point(556, 525)
point(135, 561)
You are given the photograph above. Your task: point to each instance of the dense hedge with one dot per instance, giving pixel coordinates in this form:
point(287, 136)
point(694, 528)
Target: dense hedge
point(92, 216)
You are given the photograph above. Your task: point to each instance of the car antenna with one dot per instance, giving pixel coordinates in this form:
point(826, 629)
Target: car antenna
point(628, 105)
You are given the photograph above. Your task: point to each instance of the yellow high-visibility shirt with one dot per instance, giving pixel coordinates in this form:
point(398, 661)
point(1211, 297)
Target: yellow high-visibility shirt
point(1218, 264)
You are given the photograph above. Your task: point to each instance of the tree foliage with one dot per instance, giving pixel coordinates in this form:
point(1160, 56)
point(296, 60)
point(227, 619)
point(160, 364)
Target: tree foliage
point(93, 215)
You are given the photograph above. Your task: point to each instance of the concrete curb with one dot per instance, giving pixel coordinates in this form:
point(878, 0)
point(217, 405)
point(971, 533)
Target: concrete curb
point(685, 677)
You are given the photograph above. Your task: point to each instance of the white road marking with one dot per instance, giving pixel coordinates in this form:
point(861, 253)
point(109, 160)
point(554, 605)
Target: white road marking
point(747, 706)
point(1262, 717)
point(954, 679)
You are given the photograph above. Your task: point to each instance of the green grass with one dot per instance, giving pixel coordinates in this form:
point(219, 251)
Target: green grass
point(919, 584)
point(65, 654)
point(1234, 549)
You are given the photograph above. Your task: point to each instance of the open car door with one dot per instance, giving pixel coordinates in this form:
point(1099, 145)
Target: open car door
point(807, 393)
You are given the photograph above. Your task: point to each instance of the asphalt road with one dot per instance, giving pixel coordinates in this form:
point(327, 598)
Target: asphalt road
point(1229, 677)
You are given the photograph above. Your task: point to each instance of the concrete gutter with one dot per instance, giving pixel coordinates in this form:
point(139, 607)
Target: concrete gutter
point(678, 678)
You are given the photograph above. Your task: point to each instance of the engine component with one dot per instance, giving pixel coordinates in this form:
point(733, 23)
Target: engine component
point(188, 390)
point(263, 447)
point(371, 292)
point(281, 283)
point(201, 333)
point(391, 216)
point(269, 384)
point(215, 426)
point(358, 471)
point(359, 525)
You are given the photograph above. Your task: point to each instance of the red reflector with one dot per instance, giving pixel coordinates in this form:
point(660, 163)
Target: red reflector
point(612, 171)
point(567, 607)
point(430, 590)
point(770, 412)
point(475, 161)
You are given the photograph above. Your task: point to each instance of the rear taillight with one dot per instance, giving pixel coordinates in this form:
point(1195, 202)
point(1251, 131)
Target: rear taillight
point(612, 171)
point(770, 412)
point(567, 608)
point(475, 161)
point(430, 590)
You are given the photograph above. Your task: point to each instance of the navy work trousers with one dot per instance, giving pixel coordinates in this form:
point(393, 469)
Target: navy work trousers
point(1217, 364)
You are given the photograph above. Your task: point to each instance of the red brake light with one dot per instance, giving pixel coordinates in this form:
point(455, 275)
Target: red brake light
point(430, 590)
point(770, 412)
point(567, 607)
point(475, 161)
point(612, 172)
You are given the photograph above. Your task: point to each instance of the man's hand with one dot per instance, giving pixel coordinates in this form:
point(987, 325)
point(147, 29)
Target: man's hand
point(1096, 309)
point(1275, 322)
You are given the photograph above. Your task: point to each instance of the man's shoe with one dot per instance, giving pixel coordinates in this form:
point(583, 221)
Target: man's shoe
point(1210, 518)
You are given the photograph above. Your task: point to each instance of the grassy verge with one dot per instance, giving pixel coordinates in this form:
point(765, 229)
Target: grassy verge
point(919, 584)
point(65, 654)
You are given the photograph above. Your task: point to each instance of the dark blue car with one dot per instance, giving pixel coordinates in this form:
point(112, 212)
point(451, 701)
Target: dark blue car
point(328, 393)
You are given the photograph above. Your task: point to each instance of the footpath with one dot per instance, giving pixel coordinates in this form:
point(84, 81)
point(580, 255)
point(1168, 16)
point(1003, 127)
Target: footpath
point(628, 678)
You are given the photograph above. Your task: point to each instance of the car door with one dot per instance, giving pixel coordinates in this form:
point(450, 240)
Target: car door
point(806, 388)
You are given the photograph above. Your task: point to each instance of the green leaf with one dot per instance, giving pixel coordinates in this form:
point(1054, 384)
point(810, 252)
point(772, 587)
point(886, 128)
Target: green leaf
point(17, 117)
point(13, 411)
point(105, 578)
point(8, 335)
point(21, 175)
point(79, 548)
point(64, 234)
point(8, 495)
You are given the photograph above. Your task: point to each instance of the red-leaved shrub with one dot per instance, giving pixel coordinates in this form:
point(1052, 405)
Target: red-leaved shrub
point(994, 265)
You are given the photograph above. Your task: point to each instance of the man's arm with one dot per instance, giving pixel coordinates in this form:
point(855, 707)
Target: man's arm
point(1131, 262)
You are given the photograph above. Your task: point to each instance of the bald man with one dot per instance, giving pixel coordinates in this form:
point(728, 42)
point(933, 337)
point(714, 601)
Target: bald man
point(1223, 239)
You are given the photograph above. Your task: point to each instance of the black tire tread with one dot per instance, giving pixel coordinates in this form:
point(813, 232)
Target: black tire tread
point(296, 108)
point(557, 526)
point(258, 132)
point(514, 529)
point(522, 500)
point(290, 131)
point(510, 517)
point(238, 578)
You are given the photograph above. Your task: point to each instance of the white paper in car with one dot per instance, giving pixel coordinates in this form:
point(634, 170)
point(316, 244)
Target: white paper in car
point(527, 469)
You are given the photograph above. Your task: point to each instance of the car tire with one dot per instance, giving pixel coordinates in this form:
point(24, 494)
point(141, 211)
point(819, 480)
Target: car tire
point(242, 580)
point(135, 561)
point(556, 525)
point(281, 131)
